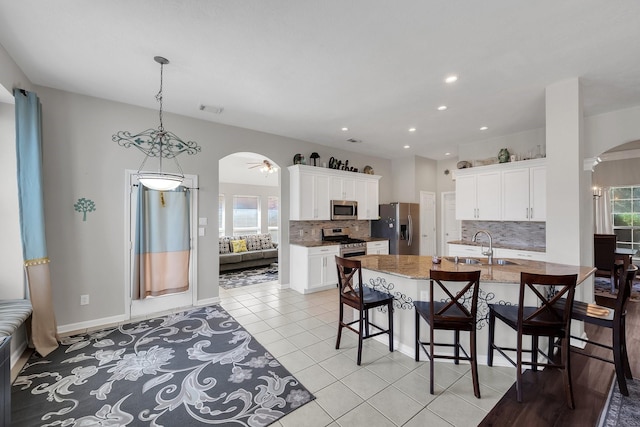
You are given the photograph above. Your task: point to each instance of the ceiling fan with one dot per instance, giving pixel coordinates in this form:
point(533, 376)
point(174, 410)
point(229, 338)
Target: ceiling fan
point(265, 166)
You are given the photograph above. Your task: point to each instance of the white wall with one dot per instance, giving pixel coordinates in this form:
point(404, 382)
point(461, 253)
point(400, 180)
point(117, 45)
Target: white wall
point(11, 269)
point(517, 143)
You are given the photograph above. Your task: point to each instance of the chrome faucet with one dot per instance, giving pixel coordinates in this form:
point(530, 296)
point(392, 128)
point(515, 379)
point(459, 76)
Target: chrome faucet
point(488, 253)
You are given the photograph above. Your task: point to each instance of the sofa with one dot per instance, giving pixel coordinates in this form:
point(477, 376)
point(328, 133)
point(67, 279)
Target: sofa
point(255, 250)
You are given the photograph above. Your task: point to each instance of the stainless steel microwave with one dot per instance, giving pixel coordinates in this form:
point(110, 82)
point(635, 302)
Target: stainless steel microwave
point(344, 209)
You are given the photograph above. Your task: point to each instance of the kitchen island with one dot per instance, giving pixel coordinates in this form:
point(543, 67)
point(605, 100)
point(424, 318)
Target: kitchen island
point(406, 277)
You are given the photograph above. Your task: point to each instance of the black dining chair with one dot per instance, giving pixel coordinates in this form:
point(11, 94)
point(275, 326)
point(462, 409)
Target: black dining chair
point(362, 298)
point(538, 319)
point(450, 314)
point(613, 319)
point(604, 258)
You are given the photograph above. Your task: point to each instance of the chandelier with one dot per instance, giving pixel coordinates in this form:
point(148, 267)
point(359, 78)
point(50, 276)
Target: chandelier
point(158, 143)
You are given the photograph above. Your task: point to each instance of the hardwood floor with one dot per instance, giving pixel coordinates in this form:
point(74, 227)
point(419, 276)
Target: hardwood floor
point(543, 400)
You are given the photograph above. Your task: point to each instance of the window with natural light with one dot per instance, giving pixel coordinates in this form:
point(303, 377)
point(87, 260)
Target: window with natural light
point(220, 215)
point(273, 204)
point(246, 215)
point(625, 212)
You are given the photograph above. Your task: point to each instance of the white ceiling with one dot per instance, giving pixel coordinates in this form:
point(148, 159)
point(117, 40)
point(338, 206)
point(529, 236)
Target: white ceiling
point(306, 68)
point(244, 168)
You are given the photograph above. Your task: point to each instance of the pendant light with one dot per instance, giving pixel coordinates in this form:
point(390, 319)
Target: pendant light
point(158, 143)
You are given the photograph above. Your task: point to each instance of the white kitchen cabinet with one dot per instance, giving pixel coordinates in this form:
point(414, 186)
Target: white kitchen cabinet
point(380, 247)
point(465, 250)
point(503, 192)
point(538, 193)
point(309, 195)
point(524, 194)
point(313, 269)
point(367, 197)
point(478, 196)
point(521, 254)
point(313, 188)
point(342, 188)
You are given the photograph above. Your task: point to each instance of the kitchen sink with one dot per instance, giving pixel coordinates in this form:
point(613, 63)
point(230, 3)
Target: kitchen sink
point(463, 260)
point(503, 262)
point(476, 261)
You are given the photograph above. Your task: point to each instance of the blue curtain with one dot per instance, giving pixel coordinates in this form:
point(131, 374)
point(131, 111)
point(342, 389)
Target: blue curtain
point(31, 204)
point(162, 243)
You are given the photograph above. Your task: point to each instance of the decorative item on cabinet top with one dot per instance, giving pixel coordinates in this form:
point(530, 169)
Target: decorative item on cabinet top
point(298, 159)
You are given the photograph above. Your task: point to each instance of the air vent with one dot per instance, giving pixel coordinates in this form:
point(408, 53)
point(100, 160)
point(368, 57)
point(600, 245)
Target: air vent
point(213, 109)
point(354, 141)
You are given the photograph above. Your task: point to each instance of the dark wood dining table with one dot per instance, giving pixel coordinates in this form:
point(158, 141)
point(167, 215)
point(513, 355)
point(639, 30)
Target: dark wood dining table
point(625, 255)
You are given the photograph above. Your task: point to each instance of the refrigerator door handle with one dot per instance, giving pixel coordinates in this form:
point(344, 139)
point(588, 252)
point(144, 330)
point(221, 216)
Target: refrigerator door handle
point(410, 230)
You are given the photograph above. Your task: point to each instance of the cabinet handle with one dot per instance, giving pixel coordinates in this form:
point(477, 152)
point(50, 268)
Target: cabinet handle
point(526, 215)
point(531, 213)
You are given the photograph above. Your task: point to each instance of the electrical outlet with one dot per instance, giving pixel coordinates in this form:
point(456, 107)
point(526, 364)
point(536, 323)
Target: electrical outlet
point(84, 299)
point(357, 228)
point(301, 233)
point(424, 295)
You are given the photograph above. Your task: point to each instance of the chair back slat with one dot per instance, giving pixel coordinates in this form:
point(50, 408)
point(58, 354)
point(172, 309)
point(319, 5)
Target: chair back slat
point(349, 288)
point(604, 248)
point(626, 285)
point(473, 283)
point(557, 288)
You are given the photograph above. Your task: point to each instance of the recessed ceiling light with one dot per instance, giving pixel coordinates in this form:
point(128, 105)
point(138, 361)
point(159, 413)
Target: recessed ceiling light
point(442, 108)
point(407, 146)
point(345, 129)
point(451, 79)
point(412, 129)
point(447, 154)
point(484, 128)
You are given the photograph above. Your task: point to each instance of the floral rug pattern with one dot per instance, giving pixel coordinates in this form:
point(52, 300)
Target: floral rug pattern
point(252, 276)
point(196, 367)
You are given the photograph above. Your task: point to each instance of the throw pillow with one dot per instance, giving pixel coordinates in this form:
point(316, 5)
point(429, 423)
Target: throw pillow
point(223, 245)
point(265, 241)
point(239, 246)
point(253, 243)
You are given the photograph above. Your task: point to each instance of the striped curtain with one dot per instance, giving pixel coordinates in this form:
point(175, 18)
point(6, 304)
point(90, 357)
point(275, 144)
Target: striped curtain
point(162, 243)
point(31, 201)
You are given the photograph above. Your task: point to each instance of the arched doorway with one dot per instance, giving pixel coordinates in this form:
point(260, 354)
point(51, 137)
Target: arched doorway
point(249, 204)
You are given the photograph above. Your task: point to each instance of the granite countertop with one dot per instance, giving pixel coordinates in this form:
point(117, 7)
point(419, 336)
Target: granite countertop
point(314, 244)
point(317, 243)
point(499, 245)
point(417, 267)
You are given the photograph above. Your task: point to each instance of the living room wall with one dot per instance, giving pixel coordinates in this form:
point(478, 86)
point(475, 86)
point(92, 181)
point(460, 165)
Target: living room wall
point(80, 160)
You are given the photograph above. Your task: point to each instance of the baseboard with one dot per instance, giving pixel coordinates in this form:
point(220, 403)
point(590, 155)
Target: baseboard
point(80, 326)
point(114, 320)
point(207, 301)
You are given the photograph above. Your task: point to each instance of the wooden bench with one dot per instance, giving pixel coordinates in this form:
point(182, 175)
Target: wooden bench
point(13, 313)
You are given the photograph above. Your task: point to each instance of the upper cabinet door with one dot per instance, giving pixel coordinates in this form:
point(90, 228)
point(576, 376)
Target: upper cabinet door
point(488, 197)
point(342, 188)
point(515, 195)
point(538, 193)
point(466, 197)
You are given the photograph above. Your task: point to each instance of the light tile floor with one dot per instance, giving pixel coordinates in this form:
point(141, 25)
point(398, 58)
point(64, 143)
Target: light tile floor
point(388, 389)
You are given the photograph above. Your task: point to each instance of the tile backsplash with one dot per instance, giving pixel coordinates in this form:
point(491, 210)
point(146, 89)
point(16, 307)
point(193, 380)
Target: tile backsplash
point(312, 230)
point(509, 233)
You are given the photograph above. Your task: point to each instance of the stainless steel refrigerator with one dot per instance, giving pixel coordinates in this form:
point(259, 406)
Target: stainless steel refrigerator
point(400, 223)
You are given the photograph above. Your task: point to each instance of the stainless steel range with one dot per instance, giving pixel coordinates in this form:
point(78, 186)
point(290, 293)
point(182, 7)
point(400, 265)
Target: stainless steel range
point(349, 247)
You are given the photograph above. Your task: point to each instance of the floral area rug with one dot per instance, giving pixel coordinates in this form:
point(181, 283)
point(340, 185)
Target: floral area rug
point(199, 367)
point(254, 276)
point(602, 287)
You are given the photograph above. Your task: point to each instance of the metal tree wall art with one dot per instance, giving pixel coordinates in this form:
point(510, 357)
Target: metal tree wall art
point(84, 205)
